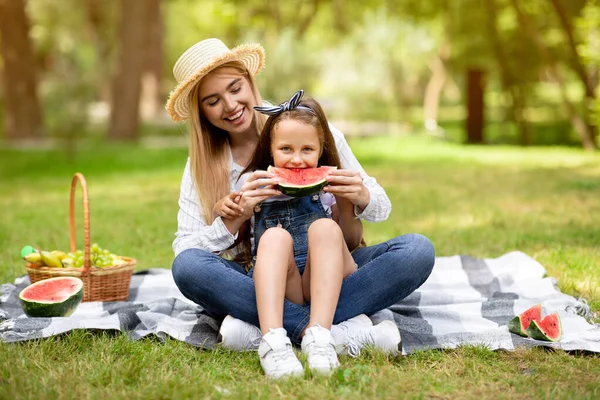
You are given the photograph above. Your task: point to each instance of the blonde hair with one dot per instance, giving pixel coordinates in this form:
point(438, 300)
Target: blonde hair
point(209, 148)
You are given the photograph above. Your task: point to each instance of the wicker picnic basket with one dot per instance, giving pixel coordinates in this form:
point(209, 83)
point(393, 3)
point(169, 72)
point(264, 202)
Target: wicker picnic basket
point(100, 284)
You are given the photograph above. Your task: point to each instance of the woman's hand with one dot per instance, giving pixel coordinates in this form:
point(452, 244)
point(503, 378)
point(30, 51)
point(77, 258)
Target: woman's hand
point(228, 206)
point(349, 185)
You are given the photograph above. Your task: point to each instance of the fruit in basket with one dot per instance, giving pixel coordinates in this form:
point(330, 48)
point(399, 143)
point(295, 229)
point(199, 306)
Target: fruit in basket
point(54, 297)
point(34, 258)
point(58, 254)
point(32, 255)
point(51, 260)
point(68, 262)
point(99, 257)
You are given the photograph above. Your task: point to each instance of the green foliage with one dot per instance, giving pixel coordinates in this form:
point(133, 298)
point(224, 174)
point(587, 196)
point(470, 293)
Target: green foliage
point(368, 60)
point(588, 28)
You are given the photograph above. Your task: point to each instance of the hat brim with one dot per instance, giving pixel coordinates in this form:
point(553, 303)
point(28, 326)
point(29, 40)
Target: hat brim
point(252, 55)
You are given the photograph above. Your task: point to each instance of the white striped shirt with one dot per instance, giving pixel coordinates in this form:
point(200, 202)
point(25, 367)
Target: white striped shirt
point(193, 232)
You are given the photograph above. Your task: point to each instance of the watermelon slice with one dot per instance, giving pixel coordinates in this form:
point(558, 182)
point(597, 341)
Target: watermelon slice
point(54, 297)
point(520, 323)
point(300, 182)
point(548, 329)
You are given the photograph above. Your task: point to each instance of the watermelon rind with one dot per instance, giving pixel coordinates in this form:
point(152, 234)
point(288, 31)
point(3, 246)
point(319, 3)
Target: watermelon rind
point(301, 190)
point(537, 331)
point(515, 326)
point(519, 324)
point(52, 308)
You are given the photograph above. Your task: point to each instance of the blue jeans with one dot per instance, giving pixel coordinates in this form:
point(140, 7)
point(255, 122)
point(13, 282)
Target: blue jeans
point(295, 216)
point(387, 273)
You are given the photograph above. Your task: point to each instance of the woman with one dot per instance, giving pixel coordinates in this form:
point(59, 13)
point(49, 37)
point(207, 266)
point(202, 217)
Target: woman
point(216, 92)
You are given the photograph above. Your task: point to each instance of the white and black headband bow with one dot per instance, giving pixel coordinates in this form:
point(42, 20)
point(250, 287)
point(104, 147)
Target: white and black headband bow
point(292, 104)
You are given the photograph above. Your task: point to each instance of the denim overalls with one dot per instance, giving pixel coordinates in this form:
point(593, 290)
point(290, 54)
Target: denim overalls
point(295, 216)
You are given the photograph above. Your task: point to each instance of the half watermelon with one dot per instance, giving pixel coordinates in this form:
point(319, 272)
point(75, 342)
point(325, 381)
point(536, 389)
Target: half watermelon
point(54, 297)
point(549, 329)
point(300, 182)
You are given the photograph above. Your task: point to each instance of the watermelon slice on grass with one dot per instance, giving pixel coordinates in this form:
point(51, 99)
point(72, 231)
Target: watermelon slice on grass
point(54, 297)
point(299, 182)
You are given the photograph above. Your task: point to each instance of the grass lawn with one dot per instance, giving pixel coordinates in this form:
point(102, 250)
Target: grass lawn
point(481, 201)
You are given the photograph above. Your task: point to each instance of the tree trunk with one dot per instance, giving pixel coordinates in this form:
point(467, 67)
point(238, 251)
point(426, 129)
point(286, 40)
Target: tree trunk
point(586, 80)
point(128, 78)
point(507, 77)
point(305, 19)
point(151, 96)
point(23, 113)
point(97, 22)
point(582, 129)
point(434, 87)
point(475, 105)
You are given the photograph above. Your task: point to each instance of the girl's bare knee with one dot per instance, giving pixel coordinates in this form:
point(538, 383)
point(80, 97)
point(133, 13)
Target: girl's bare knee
point(276, 237)
point(325, 229)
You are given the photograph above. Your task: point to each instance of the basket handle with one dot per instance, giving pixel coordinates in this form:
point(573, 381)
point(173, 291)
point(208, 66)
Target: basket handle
point(86, 221)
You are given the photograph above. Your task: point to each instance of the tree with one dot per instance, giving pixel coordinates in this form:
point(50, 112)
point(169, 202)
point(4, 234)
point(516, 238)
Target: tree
point(508, 78)
point(581, 127)
point(127, 82)
point(151, 102)
point(475, 105)
point(23, 112)
point(587, 82)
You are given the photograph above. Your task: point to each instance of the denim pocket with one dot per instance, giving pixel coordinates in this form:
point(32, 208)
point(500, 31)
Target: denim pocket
point(281, 221)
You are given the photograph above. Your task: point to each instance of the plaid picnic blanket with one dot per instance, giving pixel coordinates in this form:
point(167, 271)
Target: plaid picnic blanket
point(466, 301)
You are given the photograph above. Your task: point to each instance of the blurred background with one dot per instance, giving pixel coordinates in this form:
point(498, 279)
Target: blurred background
point(521, 72)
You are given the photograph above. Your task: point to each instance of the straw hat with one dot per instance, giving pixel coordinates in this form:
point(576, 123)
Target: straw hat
point(199, 60)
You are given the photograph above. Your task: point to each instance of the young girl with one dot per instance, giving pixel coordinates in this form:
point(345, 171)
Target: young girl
point(301, 249)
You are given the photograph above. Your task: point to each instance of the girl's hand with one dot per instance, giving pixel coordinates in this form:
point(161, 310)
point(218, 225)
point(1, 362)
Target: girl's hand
point(228, 206)
point(349, 185)
point(259, 186)
point(262, 181)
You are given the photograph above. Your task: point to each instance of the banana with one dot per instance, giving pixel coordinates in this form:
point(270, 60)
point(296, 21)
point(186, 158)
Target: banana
point(59, 254)
point(34, 258)
point(118, 261)
point(50, 259)
point(68, 262)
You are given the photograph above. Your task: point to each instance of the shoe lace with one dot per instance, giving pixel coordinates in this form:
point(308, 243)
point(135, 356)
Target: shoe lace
point(254, 342)
point(357, 340)
point(283, 356)
point(321, 351)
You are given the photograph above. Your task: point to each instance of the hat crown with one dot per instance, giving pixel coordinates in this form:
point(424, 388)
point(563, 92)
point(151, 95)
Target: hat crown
point(198, 56)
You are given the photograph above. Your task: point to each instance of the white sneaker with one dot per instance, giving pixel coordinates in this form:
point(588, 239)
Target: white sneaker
point(383, 315)
point(239, 335)
point(277, 357)
point(319, 346)
point(350, 337)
